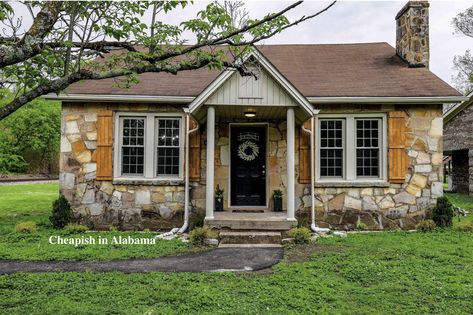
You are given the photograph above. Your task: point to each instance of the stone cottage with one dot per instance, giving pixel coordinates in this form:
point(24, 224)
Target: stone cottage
point(349, 133)
point(458, 144)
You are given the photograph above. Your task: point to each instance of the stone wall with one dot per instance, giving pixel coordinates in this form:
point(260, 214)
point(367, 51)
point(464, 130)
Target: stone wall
point(412, 33)
point(392, 205)
point(458, 132)
point(101, 204)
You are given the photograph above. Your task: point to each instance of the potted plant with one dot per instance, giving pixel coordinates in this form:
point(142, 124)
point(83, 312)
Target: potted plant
point(277, 200)
point(218, 199)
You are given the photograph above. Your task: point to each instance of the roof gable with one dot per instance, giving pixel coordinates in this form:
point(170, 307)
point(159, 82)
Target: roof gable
point(283, 93)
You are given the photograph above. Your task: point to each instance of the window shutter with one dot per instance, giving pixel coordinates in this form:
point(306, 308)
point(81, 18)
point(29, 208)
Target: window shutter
point(104, 145)
point(397, 156)
point(194, 153)
point(304, 155)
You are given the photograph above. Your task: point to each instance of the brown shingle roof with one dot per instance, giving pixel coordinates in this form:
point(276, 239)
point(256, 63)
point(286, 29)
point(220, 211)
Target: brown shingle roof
point(350, 70)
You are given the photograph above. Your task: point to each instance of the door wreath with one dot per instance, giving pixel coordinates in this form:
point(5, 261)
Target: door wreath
point(244, 147)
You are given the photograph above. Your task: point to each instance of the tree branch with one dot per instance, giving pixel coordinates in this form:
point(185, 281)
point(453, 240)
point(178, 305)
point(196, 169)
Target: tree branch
point(60, 84)
point(30, 44)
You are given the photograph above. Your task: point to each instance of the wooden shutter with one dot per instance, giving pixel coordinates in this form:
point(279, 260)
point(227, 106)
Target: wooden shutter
point(304, 155)
point(194, 153)
point(397, 156)
point(104, 145)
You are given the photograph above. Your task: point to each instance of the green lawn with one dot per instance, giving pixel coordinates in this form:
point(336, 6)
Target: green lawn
point(378, 273)
point(464, 201)
point(33, 203)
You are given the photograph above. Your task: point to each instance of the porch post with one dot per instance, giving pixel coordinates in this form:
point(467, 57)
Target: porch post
point(209, 203)
point(290, 163)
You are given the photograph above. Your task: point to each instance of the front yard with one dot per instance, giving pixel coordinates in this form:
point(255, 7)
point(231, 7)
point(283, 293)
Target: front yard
point(20, 203)
point(378, 273)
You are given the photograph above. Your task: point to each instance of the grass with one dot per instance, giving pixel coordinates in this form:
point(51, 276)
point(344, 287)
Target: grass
point(19, 203)
point(378, 273)
point(464, 201)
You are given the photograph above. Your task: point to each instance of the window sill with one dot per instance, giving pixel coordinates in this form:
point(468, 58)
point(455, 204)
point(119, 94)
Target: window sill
point(150, 182)
point(354, 184)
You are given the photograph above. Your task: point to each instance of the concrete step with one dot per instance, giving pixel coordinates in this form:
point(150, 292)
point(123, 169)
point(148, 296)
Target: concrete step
point(246, 222)
point(249, 246)
point(250, 237)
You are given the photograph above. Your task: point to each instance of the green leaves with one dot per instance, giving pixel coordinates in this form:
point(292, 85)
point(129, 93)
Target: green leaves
point(5, 10)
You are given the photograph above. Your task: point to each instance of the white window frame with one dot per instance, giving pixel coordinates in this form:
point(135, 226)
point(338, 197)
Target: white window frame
point(150, 157)
point(349, 152)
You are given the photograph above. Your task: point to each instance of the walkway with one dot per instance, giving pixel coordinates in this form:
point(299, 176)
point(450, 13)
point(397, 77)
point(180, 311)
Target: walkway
point(217, 260)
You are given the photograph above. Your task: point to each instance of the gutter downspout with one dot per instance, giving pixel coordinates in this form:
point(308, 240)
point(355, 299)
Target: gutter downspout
point(184, 227)
point(186, 180)
point(313, 226)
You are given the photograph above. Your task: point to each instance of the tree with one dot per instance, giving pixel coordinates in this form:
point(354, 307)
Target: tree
point(29, 139)
point(463, 24)
point(67, 41)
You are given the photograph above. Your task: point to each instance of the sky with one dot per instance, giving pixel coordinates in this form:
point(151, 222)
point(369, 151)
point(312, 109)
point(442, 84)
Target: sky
point(355, 22)
point(363, 21)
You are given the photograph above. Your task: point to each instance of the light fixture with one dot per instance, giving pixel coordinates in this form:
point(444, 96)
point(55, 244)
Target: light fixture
point(250, 113)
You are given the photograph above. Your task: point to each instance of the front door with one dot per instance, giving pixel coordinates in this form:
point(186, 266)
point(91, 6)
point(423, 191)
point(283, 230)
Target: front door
point(248, 165)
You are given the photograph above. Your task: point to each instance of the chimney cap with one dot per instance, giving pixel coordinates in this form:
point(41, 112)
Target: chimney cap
point(412, 4)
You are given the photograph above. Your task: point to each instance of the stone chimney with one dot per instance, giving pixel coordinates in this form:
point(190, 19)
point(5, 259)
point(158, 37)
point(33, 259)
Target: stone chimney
point(412, 33)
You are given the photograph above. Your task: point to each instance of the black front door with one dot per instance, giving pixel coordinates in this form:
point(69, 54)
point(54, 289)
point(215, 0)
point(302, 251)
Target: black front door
point(248, 165)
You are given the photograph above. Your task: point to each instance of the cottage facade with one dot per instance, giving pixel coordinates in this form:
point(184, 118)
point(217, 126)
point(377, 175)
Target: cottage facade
point(349, 133)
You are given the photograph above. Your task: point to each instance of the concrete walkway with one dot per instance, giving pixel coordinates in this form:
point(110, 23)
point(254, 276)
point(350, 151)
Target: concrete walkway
point(217, 260)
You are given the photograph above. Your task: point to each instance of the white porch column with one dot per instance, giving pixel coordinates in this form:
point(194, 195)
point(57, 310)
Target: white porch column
point(290, 163)
point(209, 203)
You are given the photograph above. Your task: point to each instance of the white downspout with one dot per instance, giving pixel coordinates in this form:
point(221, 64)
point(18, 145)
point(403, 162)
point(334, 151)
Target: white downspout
point(313, 226)
point(186, 183)
point(186, 177)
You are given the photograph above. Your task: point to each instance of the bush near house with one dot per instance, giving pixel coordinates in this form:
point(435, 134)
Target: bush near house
point(443, 212)
point(62, 213)
point(426, 226)
point(198, 236)
point(300, 235)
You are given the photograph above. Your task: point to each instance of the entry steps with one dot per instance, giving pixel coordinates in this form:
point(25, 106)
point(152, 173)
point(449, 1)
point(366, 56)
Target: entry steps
point(250, 239)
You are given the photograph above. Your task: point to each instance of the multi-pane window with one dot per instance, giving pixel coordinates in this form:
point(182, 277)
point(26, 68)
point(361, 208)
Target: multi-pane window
point(149, 146)
point(168, 146)
point(331, 147)
point(133, 146)
point(351, 147)
point(367, 147)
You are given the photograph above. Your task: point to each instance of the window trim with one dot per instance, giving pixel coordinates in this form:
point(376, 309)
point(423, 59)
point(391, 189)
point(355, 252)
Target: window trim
point(150, 168)
point(349, 162)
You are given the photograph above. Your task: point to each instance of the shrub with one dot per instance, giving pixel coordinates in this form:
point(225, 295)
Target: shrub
point(197, 220)
point(426, 226)
point(198, 236)
point(62, 213)
point(300, 235)
point(25, 227)
point(465, 227)
point(361, 226)
point(443, 212)
point(73, 228)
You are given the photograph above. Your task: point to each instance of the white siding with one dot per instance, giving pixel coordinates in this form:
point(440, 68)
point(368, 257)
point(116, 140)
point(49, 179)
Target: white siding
point(269, 91)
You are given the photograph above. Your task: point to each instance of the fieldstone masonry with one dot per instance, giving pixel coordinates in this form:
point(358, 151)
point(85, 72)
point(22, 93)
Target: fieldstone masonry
point(389, 206)
point(101, 204)
point(412, 33)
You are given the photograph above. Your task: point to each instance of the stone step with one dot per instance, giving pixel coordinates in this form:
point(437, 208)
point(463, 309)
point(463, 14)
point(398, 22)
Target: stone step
point(250, 237)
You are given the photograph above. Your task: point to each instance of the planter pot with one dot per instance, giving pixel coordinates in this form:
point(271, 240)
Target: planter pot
point(277, 204)
point(218, 204)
